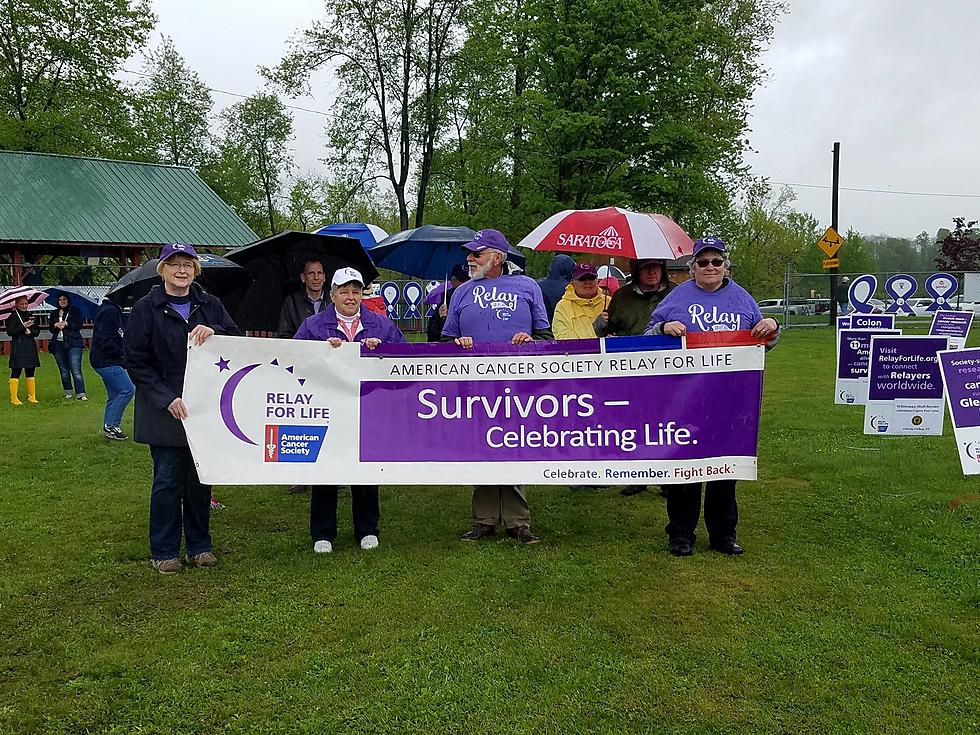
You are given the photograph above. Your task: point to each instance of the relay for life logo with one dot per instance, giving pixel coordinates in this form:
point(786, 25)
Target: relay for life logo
point(288, 399)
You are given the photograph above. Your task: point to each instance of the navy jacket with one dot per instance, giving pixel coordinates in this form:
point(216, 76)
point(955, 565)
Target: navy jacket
point(73, 332)
point(156, 355)
point(553, 287)
point(107, 337)
point(23, 348)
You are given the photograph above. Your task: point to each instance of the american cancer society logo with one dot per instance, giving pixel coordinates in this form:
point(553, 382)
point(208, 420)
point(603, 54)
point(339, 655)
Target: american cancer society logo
point(293, 443)
point(288, 399)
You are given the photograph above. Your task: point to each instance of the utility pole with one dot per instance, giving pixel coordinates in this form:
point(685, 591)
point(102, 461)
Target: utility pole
point(835, 190)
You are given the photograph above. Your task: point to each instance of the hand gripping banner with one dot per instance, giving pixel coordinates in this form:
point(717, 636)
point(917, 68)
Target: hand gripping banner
point(616, 411)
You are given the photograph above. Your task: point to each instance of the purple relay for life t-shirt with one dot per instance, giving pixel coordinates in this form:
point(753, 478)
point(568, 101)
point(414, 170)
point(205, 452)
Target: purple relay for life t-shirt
point(729, 308)
point(495, 309)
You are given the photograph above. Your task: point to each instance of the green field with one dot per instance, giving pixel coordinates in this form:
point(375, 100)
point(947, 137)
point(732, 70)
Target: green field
point(854, 610)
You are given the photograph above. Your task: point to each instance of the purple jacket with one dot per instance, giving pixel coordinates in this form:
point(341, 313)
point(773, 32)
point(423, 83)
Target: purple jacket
point(321, 327)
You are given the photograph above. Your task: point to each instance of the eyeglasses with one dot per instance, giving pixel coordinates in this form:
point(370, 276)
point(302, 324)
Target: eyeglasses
point(179, 266)
point(705, 262)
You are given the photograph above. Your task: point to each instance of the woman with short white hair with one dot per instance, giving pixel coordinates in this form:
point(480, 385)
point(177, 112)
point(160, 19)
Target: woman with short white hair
point(710, 302)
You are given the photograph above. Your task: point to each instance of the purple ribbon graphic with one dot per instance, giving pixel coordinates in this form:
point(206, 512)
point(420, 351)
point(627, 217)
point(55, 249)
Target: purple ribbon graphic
point(860, 293)
point(390, 293)
point(412, 292)
point(942, 287)
point(900, 287)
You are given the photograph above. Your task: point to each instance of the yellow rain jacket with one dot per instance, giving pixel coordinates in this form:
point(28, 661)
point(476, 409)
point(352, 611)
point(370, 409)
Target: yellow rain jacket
point(574, 316)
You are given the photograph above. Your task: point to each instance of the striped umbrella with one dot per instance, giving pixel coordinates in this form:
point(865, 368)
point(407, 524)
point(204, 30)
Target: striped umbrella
point(611, 232)
point(10, 296)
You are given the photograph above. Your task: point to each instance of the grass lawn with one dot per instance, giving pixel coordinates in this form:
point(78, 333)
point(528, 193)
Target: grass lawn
point(854, 610)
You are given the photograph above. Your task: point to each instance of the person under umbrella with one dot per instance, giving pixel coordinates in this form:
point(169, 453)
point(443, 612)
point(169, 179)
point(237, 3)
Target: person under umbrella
point(23, 331)
point(629, 311)
point(301, 304)
point(157, 334)
point(553, 287)
point(347, 320)
point(516, 316)
point(709, 292)
point(580, 305)
point(66, 345)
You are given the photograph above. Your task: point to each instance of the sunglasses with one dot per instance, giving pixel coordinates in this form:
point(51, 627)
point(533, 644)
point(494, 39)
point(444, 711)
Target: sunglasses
point(705, 262)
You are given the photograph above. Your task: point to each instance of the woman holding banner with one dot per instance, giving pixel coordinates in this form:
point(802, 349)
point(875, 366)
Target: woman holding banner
point(347, 320)
point(156, 339)
point(710, 302)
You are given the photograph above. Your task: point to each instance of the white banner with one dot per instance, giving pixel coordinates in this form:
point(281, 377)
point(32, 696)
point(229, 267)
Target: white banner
point(264, 411)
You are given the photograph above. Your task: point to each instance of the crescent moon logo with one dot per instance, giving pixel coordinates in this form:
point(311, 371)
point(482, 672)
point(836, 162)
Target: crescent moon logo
point(227, 403)
point(971, 451)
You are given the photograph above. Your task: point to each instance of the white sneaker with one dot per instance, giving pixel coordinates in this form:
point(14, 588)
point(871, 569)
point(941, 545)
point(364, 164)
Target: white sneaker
point(369, 542)
point(323, 547)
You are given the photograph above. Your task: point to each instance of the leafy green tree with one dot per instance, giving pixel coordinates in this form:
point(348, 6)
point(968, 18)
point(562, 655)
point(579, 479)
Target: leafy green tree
point(636, 103)
point(228, 174)
point(58, 61)
point(391, 58)
point(959, 249)
point(254, 157)
point(174, 108)
point(767, 238)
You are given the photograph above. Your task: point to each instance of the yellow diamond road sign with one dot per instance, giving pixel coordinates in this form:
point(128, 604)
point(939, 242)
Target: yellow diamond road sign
point(830, 243)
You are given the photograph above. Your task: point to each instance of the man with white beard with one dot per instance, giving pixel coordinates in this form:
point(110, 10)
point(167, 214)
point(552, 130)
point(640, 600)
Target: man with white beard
point(495, 307)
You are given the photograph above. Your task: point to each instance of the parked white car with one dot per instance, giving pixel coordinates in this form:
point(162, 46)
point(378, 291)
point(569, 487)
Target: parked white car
point(778, 306)
point(920, 306)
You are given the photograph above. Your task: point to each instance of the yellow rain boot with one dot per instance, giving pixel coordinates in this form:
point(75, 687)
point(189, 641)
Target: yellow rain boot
point(31, 390)
point(14, 384)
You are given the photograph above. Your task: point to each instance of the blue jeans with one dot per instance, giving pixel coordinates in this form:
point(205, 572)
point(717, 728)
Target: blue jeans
point(120, 390)
point(178, 499)
point(70, 364)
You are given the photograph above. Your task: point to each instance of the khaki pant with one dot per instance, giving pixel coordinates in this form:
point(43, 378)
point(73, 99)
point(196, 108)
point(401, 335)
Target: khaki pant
point(493, 504)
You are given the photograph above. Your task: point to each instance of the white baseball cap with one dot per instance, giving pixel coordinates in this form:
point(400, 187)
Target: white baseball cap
point(344, 276)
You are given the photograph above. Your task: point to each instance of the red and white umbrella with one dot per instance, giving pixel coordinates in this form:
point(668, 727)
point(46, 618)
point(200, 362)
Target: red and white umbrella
point(10, 296)
point(612, 233)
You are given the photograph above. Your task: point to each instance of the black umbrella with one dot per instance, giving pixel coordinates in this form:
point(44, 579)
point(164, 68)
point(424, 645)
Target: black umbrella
point(219, 276)
point(275, 263)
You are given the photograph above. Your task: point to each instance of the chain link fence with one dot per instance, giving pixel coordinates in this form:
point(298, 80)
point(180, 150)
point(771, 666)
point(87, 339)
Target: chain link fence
point(806, 300)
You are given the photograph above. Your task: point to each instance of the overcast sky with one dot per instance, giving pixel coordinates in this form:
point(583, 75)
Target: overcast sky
point(895, 81)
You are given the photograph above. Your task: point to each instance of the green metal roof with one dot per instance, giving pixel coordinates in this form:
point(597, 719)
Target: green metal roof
point(69, 199)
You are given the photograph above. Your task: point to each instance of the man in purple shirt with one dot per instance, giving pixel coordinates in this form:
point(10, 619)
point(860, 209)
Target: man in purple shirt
point(494, 307)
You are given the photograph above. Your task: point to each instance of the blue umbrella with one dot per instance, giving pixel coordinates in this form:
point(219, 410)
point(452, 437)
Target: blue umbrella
point(369, 235)
point(429, 251)
point(86, 298)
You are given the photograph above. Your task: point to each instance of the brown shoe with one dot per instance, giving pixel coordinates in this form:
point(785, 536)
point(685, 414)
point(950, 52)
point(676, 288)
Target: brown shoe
point(479, 531)
point(204, 559)
point(168, 566)
point(523, 534)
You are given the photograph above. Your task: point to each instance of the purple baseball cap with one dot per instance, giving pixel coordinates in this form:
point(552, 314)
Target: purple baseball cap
point(583, 271)
point(485, 239)
point(178, 248)
point(710, 243)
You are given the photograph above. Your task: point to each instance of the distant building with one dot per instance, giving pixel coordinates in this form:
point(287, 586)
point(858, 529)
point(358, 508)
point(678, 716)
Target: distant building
point(93, 208)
